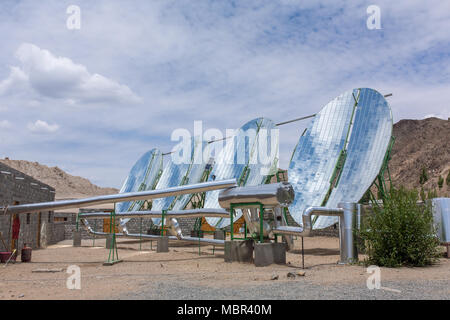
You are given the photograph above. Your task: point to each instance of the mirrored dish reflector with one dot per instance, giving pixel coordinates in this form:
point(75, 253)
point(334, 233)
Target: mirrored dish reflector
point(184, 166)
point(341, 153)
point(250, 156)
point(196, 171)
point(142, 176)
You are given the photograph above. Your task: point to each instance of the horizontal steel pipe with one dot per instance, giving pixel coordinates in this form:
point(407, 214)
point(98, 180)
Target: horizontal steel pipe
point(270, 195)
point(305, 230)
point(113, 198)
point(215, 242)
point(192, 213)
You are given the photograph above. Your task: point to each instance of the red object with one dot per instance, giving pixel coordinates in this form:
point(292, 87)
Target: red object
point(4, 256)
point(16, 228)
point(26, 254)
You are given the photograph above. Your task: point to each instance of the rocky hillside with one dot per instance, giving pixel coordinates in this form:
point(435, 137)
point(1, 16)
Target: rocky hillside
point(66, 185)
point(421, 144)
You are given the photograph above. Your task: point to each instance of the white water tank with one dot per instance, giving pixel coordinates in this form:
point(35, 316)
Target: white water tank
point(441, 217)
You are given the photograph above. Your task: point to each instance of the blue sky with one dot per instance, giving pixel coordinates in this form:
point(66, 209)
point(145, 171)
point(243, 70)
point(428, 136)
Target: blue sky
point(92, 100)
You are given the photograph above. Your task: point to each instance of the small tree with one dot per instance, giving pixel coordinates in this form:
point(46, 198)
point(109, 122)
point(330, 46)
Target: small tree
point(423, 176)
point(440, 182)
point(447, 180)
point(401, 232)
point(423, 196)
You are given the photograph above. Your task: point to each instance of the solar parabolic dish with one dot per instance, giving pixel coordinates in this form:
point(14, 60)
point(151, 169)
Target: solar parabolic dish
point(341, 153)
point(244, 157)
point(195, 172)
point(178, 173)
point(142, 176)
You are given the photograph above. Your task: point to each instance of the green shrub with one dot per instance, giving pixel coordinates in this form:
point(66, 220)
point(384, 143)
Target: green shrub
point(440, 182)
point(401, 232)
point(423, 195)
point(447, 180)
point(423, 176)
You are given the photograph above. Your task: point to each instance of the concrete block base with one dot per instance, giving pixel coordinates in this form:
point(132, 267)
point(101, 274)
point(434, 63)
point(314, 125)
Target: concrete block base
point(219, 235)
point(279, 252)
point(162, 244)
point(270, 253)
point(239, 251)
point(77, 238)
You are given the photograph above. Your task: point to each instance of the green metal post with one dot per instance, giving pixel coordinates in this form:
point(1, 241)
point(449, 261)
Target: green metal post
point(77, 220)
point(245, 229)
point(95, 229)
point(113, 256)
point(162, 221)
point(140, 234)
point(231, 221)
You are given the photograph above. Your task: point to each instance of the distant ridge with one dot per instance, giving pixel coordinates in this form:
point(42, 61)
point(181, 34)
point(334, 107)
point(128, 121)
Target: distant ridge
point(421, 144)
point(66, 185)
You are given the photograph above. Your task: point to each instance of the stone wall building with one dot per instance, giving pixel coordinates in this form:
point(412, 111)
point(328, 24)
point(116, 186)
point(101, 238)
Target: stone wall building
point(37, 230)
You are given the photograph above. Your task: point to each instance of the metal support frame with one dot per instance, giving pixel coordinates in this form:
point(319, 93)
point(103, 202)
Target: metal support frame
point(162, 221)
point(380, 181)
point(140, 233)
point(95, 228)
point(113, 256)
point(261, 221)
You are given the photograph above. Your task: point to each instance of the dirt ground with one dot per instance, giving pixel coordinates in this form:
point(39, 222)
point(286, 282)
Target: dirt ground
point(143, 266)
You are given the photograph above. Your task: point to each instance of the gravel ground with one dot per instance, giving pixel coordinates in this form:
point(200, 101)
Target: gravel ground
point(295, 290)
point(183, 274)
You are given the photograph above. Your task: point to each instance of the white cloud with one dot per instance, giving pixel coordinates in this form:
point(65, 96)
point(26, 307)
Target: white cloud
point(61, 78)
point(221, 62)
point(16, 78)
point(42, 127)
point(5, 124)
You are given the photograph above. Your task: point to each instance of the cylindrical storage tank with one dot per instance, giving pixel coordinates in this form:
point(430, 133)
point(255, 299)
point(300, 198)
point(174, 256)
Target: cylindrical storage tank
point(270, 195)
point(26, 254)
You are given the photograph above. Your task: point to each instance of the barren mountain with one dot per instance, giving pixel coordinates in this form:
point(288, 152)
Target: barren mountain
point(421, 144)
point(66, 185)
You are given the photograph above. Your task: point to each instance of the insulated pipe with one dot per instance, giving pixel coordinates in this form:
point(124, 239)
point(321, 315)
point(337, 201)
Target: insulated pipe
point(126, 234)
point(113, 198)
point(347, 223)
point(305, 230)
point(270, 195)
point(192, 213)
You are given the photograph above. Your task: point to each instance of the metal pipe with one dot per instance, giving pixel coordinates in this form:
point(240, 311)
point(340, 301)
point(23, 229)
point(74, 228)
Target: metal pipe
point(191, 213)
point(305, 230)
point(142, 195)
point(298, 119)
point(126, 234)
point(270, 195)
point(347, 223)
